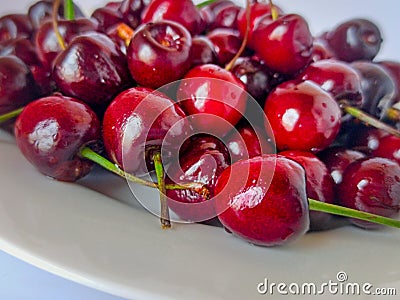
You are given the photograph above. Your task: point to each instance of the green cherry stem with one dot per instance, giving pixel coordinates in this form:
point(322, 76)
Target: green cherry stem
point(368, 119)
point(89, 154)
point(11, 115)
point(205, 3)
point(351, 213)
point(69, 13)
point(164, 218)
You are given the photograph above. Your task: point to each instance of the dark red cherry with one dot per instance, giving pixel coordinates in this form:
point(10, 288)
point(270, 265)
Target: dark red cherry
point(284, 44)
point(257, 11)
point(371, 185)
point(139, 120)
point(263, 200)
point(213, 97)
point(183, 12)
point(226, 44)
point(209, 11)
point(50, 131)
point(196, 165)
point(17, 85)
point(389, 147)
point(106, 17)
point(321, 50)
point(225, 16)
point(302, 116)
point(22, 48)
point(131, 11)
point(365, 139)
point(203, 142)
point(337, 158)
point(46, 41)
point(336, 77)
point(202, 51)
point(159, 53)
point(356, 39)
point(15, 26)
point(319, 185)
point(379, 89)
point(393, 68)
point(248, 141)
point(92, 69)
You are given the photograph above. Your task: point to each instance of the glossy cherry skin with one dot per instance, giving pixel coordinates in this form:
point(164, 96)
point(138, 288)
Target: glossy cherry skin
point(14, 26)
point(248, 141)
point(379, 89)
point(389, 147)
point(226, 17)
point(226, 44)
point(22, 48)
point(285, 45)
point(356, 39)
point(365, 139)
point(371, 185)
point(46, 42)
point(336, 77)
point(321, 50)
point(139, 119)
point(213, 97)
point(202, 51)
point(50, 131)
point(263, 200)
point(196, 165)
point(93, 69)
point(159, 53)
point(302, 116)
point(131, 11)
point(183, 12)
point(203, 143)
point(107, 17)
point(257, 11)
point(337, 158)
point(319, 185)
point(17, 85)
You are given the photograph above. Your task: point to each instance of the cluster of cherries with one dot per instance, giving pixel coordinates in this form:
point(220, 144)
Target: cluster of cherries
point(208, 95)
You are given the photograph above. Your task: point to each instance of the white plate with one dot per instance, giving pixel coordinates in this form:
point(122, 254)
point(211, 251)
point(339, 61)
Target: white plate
point(117, 247)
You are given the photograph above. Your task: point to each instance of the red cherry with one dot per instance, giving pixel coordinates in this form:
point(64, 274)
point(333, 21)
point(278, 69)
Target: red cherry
point(140, 118)
point(263, 200)
point(159, 53)
point(50, 132)
point(226, 44)
point(319, 185)
point(214, 98)
point(284, 44)
point(371, 185)
point(389, 147)
point(302, 116)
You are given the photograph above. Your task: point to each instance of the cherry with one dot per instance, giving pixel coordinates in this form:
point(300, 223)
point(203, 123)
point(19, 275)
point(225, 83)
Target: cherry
point(284, 44)
point(365, 139)
point(15, 26)
point(336, 77)
point(263, 200)
point(202, 51)
point(183, 12)
point(93, 69)
point(258, 10)
point(46, 41)
point(319, 185)
point(208, 11)
point(226, 44)
point(389, 147)
point(247, 142)
point(371, 185)
point(50, 131)
point(202, 142)
point(198, 165)
point(215, 95)
point(321, 50)
point(17, 85)
point(337, 158)
point(225, 16)
point(131, 11)
point(159, 53)
point(356, 39)
point(136, 122)
point(294, 108)
point(106, 17)
point(379, 89)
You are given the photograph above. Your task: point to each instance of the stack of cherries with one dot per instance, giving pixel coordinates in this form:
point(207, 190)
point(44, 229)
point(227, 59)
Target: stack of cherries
point(242, 114)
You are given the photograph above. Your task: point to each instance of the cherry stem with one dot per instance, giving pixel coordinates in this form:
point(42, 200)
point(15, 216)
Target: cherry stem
point(69, 13)
point(11, 115)
point(351, 213)
point(274, 11)
point(205, 3)
point(59, 37)
point(366, 118)
point(89, 154)
point(230, 65)
point(165, 219)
